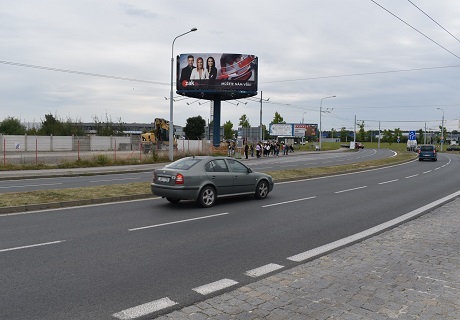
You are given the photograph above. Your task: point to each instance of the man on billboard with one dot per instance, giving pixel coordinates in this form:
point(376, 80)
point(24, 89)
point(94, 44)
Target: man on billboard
point(187, 71)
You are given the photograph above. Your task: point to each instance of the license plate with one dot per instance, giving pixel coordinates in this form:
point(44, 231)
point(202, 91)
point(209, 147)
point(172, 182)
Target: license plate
point(162, 179)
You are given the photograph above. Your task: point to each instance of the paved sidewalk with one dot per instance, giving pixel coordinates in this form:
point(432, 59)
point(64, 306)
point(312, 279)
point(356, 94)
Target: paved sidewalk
point(409, 272)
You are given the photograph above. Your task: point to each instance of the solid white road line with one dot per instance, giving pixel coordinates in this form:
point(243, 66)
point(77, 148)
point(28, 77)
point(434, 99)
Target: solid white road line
point(284, 202)
point(427, 172)
point(32, 185)
point(353, 189)
point(118, 179)
point(257, 272)
point(369, 232)
point(215, 286)
point(144, 309)
point(412, 176)
point(32, 246)
point(180, 221)
point(390, 181)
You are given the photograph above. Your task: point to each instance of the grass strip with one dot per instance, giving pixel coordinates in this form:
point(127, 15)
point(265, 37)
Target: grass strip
point(13, 199)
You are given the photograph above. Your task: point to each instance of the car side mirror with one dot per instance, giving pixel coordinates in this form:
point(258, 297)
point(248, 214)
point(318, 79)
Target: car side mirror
point(249, 170)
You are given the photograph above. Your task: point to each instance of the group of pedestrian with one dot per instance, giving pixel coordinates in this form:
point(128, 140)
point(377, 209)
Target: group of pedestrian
point(267, 149)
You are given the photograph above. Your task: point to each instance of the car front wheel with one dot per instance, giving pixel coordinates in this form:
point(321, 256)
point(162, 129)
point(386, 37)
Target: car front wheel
point(207, 197)
point(262, 190)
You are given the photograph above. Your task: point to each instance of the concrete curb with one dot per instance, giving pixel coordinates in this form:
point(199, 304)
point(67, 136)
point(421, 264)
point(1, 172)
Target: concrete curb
point(68, 204)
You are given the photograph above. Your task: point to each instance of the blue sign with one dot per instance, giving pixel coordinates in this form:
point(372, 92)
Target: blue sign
point(412, 135)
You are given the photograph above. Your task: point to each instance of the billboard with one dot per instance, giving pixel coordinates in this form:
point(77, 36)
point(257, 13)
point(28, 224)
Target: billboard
point(281, 129)
point(206, 75)
point(293, 129)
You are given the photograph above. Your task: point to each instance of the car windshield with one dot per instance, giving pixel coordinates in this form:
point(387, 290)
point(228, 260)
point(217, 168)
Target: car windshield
point(183, 164)
point(426, 148)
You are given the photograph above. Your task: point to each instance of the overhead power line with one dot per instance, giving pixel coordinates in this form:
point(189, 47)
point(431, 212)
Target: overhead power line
point(17, 64)
point(363, 74)
point(434, 20)
point(80, 72)
point(415, 29)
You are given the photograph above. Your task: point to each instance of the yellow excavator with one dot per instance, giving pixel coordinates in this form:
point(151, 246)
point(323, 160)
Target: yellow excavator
point(157, 138)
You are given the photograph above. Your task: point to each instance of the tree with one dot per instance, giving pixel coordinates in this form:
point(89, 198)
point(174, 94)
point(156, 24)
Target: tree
point(51, 126)
point(12, 126)
point(244, 121)
point(421, 136)
point(265, 132)
point(278, 118)
point(388, 136)
point(333, 133)
point(228, 130)
point(194, 128)
point(343, 134)
point(361, 132)
point(106, 128)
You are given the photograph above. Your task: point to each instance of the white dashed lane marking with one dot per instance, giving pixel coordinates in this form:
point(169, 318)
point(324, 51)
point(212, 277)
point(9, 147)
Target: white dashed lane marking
point(144, 309)
point(257, 272)
point(390, 181)
point(352, 189)
point(215, 286)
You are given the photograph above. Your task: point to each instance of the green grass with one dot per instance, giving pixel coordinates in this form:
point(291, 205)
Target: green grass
point(143, 188)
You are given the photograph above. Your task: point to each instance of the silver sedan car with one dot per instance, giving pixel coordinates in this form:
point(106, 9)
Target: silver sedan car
point(207, 178)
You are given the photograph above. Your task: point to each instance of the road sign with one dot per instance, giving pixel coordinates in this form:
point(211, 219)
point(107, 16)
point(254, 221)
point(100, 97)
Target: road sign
point(412, 135)
point(398, 140)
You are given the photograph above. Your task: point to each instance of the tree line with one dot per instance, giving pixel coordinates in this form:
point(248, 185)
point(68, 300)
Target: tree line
point(194, 129)
point(52, 125)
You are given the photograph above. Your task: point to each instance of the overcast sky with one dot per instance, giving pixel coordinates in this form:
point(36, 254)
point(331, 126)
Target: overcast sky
point(384, 60)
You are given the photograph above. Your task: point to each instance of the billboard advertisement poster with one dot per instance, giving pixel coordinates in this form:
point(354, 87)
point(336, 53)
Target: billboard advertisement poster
point(204, 75)
point(307, 130)
point(281, 129)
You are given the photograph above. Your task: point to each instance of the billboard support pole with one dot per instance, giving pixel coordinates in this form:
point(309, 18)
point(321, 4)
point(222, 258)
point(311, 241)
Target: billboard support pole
point(216, 119)
point(171, 104)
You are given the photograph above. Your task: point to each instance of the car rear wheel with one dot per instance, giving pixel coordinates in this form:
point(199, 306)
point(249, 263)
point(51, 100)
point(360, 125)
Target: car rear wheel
point(207, 197)
point(262, 190)
point(173, 200)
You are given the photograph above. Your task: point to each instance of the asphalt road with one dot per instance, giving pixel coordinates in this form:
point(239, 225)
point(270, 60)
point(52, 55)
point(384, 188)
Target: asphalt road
point(34, 181)
point(94, 262)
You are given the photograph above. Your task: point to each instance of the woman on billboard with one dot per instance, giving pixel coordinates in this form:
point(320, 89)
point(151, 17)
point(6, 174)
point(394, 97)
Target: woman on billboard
point(212, 70)
point(199, 73)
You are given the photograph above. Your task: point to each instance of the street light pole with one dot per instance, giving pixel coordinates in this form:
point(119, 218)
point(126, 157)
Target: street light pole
point(442, 127)
point(320, 112)
point(171, 101)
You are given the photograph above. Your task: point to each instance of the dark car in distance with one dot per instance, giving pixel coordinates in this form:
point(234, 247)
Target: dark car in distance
point(206, 178)
point(427, 152)
point(359, 145)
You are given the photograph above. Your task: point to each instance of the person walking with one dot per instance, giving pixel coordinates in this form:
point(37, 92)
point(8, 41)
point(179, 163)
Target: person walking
point(246, 150)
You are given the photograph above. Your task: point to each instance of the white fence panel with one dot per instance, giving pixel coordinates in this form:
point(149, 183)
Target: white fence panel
point(62, 143)
point(38, 143)
point(190, 145)
point(100, 143)
point(14, 143)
